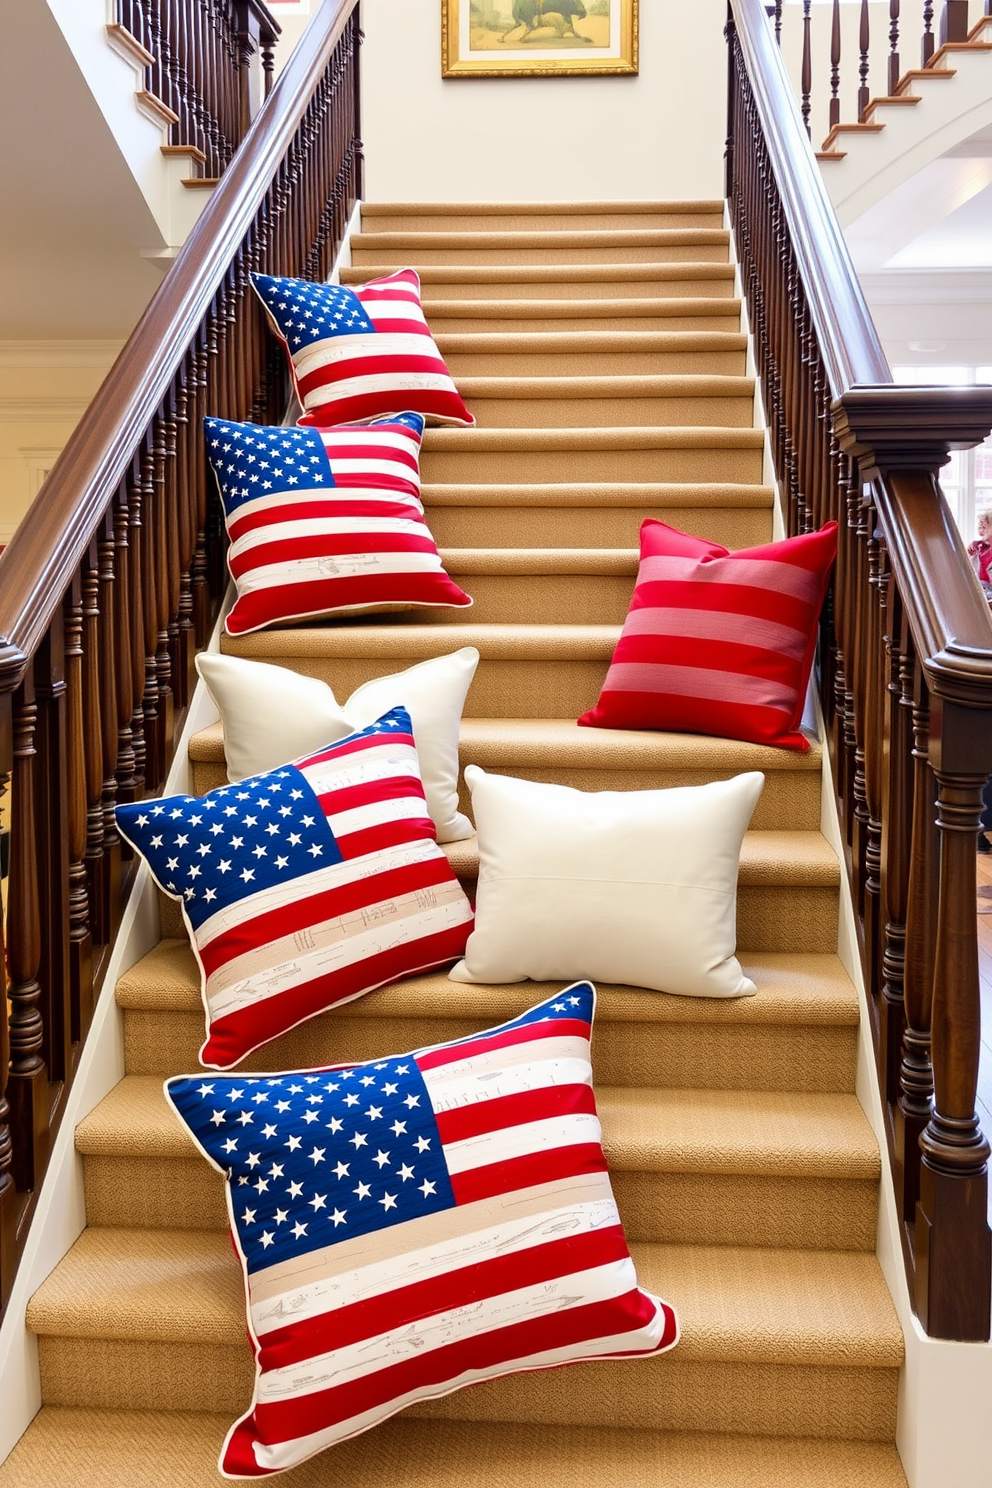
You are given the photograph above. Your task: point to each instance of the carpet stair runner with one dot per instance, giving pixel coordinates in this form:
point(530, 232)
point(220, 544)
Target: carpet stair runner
point(600, 348)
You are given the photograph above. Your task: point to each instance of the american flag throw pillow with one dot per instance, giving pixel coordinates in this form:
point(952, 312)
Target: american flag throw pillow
point(416, 1224)
point(306, 886)
point(360, 353)
point(325, 523)
point(718, 642)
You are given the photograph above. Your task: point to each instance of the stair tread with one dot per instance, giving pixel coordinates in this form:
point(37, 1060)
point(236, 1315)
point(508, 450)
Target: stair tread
point(764, 1133)
point(117, 1449)
point(535, 741)
point(569, 237)
point(793, 989)
point(579, 309)
point(789, 1307)
point(592, 494)
point(536, 209)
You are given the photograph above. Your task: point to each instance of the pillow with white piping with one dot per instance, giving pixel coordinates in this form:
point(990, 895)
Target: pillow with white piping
point(639, 887)
point(271, 714)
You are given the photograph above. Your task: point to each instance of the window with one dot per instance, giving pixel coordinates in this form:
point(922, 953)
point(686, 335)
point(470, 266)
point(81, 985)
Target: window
point(966, 479)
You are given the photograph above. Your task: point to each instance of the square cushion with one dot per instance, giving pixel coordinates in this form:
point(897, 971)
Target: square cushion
point(325, 523)
point(305, 887)
point(639, 885)
point(718, 642)
point(271, 715)
point(418, 1223)
point(360, 353)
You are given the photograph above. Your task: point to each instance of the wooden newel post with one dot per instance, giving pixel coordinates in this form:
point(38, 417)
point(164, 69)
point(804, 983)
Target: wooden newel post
point(953, 1240)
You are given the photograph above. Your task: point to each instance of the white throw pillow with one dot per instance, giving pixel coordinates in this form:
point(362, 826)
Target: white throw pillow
point(637, 887)
point(272, 715)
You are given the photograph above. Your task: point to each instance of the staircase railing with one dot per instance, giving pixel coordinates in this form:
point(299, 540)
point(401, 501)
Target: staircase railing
point(839, 85)
point(117, 571)
point(906, 665)
point(210, 63)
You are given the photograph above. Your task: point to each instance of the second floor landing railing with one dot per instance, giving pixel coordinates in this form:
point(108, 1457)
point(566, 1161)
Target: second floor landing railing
point(905, 671)
point(209, 63)
point(116, 573)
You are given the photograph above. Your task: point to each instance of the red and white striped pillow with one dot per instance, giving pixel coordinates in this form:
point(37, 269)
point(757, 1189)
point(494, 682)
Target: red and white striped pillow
point(360, 353)
point(718, 642)
point(323, 523)
point(306, 886)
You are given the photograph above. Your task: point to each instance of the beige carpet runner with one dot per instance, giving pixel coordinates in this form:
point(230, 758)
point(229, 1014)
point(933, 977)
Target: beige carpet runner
point(600, 349)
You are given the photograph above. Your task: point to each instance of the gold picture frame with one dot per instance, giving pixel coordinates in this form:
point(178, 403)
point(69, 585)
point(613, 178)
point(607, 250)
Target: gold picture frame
point(538, 38)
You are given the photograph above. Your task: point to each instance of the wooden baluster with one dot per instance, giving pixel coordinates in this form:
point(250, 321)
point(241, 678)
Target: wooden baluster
point(807, 65)
point(199, 496)
point(8, 1195)
point(835, 56)
point(80, 931)
point(953, 1241)
point(897, 816)
point(927, 44)
point(182, 497)
point(178, 668)
point(51, 779)
point(954, 21)
point(27, 1089)
point(874, 698)
point(136, 644)
point(915, 1072)
point(154, 716)
point(864, 41)
point(107, 631)
point(894, 68)
point(127, 783)
point(93, 750)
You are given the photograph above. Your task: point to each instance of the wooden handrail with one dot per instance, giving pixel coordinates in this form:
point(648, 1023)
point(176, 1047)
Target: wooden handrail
point(117, 572)
point(46, 549)
point(906, 665)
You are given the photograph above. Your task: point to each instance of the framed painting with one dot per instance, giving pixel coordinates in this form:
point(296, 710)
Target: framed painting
point(538, 38)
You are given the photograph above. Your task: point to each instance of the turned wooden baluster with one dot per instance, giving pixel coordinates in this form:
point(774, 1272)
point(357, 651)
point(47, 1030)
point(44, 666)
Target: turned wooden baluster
point(96, 877)
point(107, 632)
point(864, 41)
point(51, 776)
point(80, 930)
point(807, 64)
point(897, 816)
point(874, 723)
point(27, 1089)
point(162, 550)
point(915, 1071)
point(127, 782)
point(894, 68)
point(835, 56)
point(136, 643)
point(8, 1195)
point(954, 21)
point(927, 44)
point(154, 716)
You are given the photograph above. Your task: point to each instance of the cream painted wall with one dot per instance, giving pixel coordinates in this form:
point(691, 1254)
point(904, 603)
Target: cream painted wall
point(551, 139)
point(44, 389)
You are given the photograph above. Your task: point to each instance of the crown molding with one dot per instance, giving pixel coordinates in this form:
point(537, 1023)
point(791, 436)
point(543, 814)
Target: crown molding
point(42, 410)
point(16, 356)
point(928, 286)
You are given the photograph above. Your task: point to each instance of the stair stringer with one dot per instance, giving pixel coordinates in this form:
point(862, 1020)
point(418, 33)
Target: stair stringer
point(869, 166)
point(943, 1425)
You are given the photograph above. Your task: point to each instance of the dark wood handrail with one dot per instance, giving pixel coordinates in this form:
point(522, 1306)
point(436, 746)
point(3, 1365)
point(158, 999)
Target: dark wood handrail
point(46, 549)
point(905, 666)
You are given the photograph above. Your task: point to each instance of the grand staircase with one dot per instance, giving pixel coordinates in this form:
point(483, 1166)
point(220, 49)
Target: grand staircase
point(600, 348)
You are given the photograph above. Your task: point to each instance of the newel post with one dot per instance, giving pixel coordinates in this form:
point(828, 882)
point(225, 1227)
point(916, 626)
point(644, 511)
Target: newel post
point(901, 437)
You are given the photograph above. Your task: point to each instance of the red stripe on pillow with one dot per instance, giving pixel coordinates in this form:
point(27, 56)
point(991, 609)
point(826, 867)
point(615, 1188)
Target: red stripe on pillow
point(717, 642)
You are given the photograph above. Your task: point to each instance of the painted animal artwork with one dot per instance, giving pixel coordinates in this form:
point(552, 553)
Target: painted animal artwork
point(530, 16)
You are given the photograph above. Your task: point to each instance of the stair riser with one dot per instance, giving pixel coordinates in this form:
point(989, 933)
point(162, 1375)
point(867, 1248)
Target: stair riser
point(703, 1056)
point(625, 412)
point(589, 526)
point(524, 467)
point(666, 1393)
point(780, 917)
point(664, 1208)
point(593, 364)
point(374, 256)
point(441, 222)
point(789, 802)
